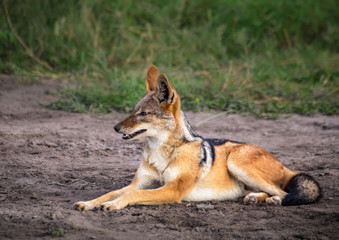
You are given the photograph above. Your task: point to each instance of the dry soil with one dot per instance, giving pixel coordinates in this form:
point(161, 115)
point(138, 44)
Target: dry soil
point(51, 159)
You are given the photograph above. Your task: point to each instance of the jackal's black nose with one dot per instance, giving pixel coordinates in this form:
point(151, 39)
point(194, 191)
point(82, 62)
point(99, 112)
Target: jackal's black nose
point(117, 128)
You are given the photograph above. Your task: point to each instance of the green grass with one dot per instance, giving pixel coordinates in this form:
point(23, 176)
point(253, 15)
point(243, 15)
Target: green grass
point(56, 232)
point(252, 57)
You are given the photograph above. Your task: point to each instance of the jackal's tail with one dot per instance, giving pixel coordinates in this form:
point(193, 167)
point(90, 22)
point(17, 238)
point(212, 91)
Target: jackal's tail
point(301, 189)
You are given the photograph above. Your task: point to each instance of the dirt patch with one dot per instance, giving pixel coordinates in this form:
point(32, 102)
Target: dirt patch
point(52, 159)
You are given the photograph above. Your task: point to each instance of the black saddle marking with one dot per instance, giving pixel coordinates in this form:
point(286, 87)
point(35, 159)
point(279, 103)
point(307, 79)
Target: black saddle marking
point(204, 156)
point(209, 143)
point(220, 141)
point(212, 153)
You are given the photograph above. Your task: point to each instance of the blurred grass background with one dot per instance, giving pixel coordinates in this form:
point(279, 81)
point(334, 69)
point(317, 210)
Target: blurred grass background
point(258, 57)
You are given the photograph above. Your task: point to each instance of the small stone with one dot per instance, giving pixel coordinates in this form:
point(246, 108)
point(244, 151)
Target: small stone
point(205, 206)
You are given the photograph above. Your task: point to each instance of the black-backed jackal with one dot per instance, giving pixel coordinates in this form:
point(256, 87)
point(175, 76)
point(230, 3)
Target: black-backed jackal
point(191, 168)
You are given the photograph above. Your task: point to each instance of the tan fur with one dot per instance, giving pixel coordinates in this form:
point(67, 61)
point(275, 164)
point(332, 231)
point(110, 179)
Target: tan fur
point(173, 158)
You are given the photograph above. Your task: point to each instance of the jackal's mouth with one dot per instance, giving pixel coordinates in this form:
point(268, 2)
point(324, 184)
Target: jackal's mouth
point(132, 135)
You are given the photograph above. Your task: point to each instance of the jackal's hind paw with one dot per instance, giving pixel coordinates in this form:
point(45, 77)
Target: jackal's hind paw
point(250, 199)
point(82, 206)
point(274, 200)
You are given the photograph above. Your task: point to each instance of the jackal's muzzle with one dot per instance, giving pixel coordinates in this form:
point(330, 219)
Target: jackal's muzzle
point(126, 136)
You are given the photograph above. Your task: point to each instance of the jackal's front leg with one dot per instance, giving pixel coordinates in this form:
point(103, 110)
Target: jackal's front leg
point(95, 203)
point(170, 193)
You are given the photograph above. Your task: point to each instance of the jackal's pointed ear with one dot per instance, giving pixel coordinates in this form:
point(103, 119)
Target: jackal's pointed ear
point(164, 92)
point(151, 80)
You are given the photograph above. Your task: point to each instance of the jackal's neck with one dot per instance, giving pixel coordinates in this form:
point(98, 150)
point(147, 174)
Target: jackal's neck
point(156, 142)
point(183, 132)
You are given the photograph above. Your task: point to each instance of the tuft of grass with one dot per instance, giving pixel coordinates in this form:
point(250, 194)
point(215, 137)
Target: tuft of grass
point(254, 57)
point(56, 232)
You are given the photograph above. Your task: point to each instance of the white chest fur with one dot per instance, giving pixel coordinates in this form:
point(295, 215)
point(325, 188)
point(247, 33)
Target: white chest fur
point(155, 154)
point(161, 171)
point(156, 159)
point(159, 157)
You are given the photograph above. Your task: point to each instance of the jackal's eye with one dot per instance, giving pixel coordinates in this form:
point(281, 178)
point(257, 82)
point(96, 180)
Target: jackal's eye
point(144, 113)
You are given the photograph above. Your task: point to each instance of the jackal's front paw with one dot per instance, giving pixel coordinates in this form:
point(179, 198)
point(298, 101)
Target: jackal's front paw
point(107, 206)
point(83, 206)
point(110, 206)
point(275, 200)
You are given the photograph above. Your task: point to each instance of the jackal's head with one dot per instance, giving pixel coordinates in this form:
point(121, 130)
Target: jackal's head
point(157, 114)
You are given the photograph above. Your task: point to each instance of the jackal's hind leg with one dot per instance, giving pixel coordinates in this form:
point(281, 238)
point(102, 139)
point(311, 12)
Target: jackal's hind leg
point(254, 180)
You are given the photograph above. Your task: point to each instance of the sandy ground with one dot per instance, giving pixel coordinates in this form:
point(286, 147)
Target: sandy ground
point(51, 159)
